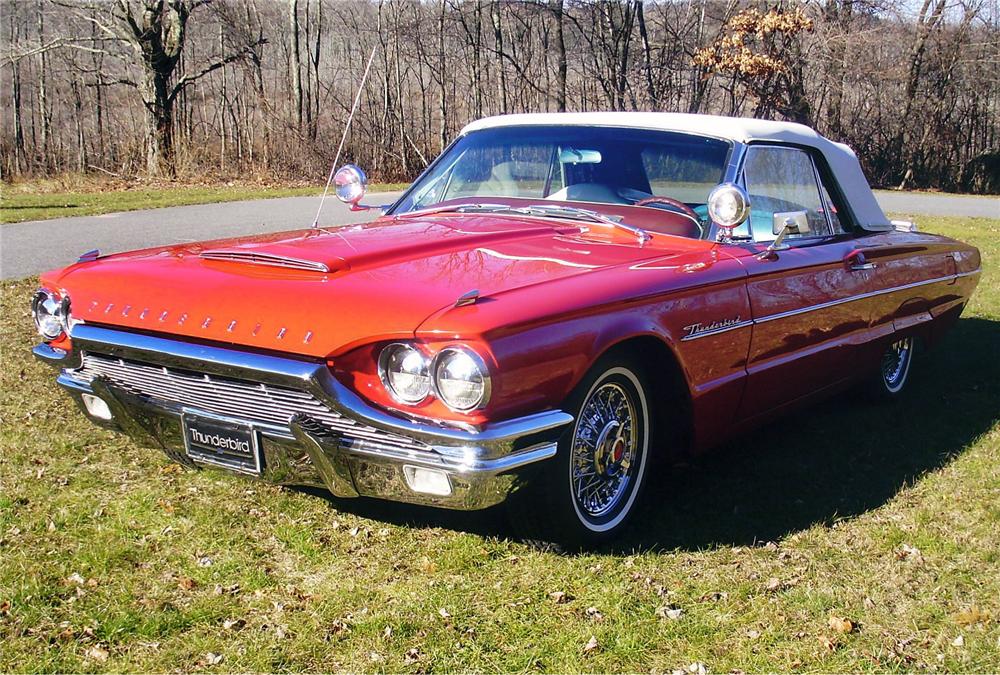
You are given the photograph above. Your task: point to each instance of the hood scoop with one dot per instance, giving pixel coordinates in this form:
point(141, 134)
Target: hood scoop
point(249, 257)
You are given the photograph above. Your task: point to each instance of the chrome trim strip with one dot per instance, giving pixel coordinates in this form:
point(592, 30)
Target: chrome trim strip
point(826, 305)
point(51, 355)
point(261, 258)
point(861, 296)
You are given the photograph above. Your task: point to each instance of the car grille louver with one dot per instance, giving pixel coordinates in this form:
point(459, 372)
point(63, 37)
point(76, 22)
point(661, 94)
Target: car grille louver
point(268, 259)
point(255, 402)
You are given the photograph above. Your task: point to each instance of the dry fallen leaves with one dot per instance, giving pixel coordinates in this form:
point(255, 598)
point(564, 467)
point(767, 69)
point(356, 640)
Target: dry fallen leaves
point(97, 653)
point(971, 616)
point(958, 642)
point(907, 552)
point(559, 597)
point(595, 614)
point(186, 583)
point(411, 656)
point(774, 584)
point(234, 624)
point(669, 612)
point(841, 624)
point(592, 645)
point(211, 659)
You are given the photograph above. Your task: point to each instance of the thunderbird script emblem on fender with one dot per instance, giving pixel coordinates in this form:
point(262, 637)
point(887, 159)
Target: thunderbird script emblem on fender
point(697, 330)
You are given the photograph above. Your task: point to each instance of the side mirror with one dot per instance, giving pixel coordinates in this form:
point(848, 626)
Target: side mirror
point(351, 184)
point(784, 224)
point(797, 221)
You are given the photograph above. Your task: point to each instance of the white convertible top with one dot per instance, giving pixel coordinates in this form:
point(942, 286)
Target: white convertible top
point(840, 158)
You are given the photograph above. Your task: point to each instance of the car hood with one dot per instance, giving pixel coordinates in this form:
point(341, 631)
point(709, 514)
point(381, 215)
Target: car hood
point(322, 292)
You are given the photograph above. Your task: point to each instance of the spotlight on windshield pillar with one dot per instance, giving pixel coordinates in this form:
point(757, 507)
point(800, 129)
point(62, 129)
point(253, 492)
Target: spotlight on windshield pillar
point(351, 184)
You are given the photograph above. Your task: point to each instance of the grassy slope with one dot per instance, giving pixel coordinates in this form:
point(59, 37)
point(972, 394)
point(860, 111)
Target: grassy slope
point(758, 545)
point(20, 205)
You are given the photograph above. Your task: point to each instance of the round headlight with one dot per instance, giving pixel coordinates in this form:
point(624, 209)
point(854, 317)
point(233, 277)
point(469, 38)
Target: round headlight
point(728, 205)
point(51, 313)
point(461, 379)
point(405, 373)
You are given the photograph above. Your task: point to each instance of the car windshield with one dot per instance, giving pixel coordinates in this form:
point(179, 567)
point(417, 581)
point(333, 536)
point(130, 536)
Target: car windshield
point(570, 164)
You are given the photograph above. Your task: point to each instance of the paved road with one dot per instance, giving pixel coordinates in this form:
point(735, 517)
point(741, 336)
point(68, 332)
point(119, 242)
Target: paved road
point(930, 204)
point(33, 247)
point(36, 246)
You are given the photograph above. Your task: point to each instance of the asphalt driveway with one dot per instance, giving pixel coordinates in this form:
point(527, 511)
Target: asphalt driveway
point(36, 246)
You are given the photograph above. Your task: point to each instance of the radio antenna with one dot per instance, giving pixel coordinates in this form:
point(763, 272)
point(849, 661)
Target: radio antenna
point(350, 118)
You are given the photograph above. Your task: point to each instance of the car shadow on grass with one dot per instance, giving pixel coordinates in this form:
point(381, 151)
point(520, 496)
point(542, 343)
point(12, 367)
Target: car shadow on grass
point(831, 461)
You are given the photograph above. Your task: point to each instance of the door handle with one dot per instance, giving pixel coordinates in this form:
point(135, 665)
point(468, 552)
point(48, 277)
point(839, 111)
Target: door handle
point(857, 261)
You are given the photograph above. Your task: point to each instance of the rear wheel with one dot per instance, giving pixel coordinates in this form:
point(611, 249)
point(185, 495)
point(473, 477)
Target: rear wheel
point(894, 369)
point(588, 492)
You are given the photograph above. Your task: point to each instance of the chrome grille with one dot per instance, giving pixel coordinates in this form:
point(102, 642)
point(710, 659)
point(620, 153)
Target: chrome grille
point(242, 399)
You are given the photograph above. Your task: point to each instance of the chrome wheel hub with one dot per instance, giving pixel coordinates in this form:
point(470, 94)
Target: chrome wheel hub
point(604, 451)
point(895, 362)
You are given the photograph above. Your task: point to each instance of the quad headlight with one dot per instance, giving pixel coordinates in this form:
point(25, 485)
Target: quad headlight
point(461, 379)
point(456, 375)
point(51, 313)
point(405, 372)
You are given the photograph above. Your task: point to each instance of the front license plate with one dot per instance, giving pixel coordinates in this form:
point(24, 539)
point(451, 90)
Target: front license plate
point(218, 442)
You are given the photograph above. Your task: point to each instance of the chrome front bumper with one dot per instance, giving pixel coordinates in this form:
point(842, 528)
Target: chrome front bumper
point(483, 465)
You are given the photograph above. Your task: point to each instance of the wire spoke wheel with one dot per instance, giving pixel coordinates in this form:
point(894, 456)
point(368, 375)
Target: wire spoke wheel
point(606, 452)
point(896, 364)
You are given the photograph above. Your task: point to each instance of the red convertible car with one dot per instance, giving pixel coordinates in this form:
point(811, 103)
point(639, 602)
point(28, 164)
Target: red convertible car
point(559, 303)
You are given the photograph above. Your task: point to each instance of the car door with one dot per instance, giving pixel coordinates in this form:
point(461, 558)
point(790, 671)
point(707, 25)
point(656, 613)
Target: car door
point(808, 300)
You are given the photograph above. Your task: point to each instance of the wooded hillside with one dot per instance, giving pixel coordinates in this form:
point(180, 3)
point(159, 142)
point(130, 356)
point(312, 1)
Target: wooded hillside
point(236, 87)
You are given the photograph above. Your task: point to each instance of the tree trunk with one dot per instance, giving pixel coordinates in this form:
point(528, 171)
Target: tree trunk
point(43, 103)
point(159, 124)
point(294, 66)
point(561, 66)
point(442, 79)
point(647, 53)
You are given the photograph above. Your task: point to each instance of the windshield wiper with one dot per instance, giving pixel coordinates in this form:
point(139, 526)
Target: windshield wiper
point(543, 211)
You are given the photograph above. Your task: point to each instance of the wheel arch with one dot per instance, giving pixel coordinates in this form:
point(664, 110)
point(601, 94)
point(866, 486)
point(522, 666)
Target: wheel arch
point(664, 374)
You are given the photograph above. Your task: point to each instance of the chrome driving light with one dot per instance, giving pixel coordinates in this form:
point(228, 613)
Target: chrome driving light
point(728, 205)
point(405, 373)
point(461, 379)
point(51, 313)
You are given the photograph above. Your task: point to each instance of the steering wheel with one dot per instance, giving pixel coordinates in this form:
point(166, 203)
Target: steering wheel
point(670, 201)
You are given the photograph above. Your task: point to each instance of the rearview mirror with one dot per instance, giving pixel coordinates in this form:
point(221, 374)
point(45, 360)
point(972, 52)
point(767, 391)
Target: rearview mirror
point(575, 156)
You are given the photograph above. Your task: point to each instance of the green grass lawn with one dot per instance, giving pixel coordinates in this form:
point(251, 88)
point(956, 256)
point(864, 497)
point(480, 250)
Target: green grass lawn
point(17, 206)
point(751, 559)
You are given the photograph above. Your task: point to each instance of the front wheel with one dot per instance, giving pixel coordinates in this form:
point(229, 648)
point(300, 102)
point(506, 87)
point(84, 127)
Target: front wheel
point(587, 493)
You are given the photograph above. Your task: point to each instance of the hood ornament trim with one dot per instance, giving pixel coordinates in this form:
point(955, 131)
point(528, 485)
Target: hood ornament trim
point(268, 259)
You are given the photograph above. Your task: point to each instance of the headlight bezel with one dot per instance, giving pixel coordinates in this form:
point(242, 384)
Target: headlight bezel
point(384, 375)
point(56, 306)
point(481, 367)
point(434, 357)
